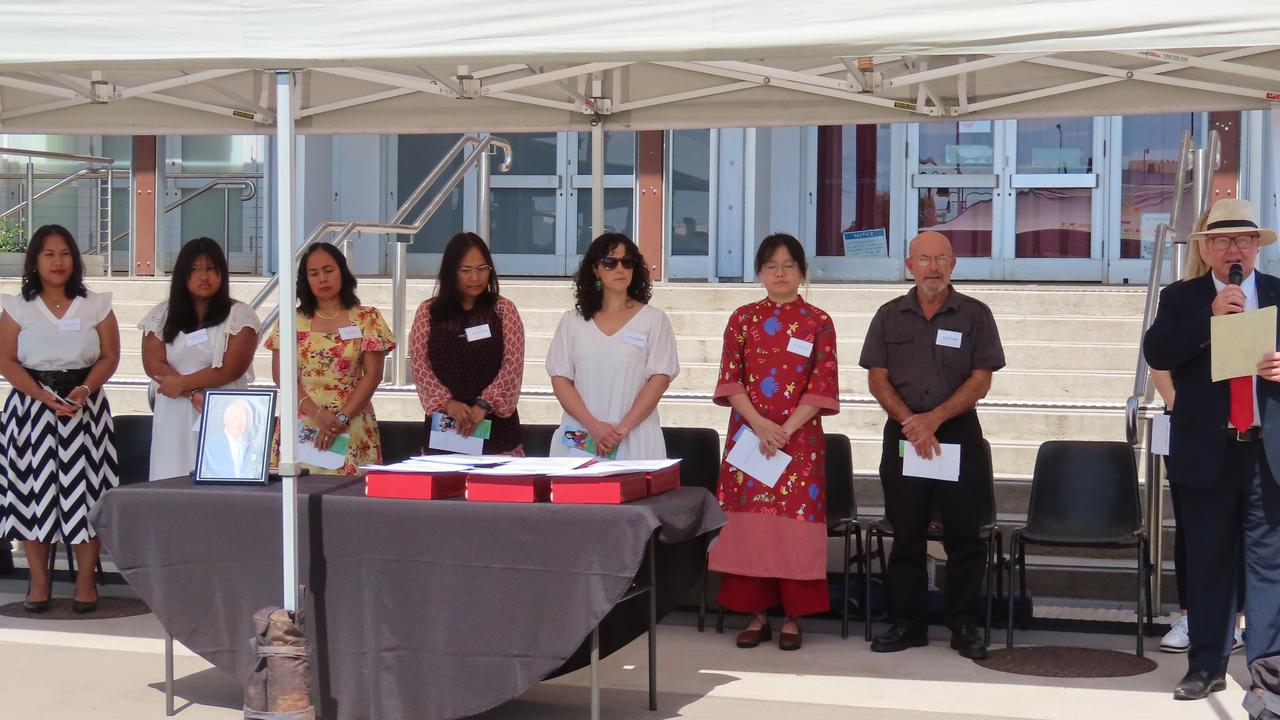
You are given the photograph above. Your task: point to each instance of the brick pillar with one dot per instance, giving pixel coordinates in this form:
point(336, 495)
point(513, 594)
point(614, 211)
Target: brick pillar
point(142, 226)
point(1226, 179)
point(650, 229)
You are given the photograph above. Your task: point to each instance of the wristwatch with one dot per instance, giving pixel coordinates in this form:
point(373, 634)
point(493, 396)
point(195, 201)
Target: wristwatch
point(484, 405)
point(342, 418)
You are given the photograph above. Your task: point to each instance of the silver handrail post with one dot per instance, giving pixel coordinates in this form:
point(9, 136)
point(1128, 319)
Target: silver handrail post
point(483, 178)
point(399, 312)
point(31, 198)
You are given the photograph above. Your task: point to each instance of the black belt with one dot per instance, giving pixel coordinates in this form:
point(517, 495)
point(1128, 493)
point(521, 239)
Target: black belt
point(61, 382)
point(1253, 434)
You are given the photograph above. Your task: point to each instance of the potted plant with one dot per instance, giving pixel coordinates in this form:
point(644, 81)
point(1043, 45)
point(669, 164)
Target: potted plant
point(13, 250)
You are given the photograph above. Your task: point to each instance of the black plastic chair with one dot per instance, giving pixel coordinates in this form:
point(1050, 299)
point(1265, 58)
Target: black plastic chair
point(401, 439)
point(537, 439)
point(990, 534)
point(133, 447)
point(842, 522)
point(1084, 494)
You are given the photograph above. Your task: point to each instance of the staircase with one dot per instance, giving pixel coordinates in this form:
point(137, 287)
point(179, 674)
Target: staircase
point(1070, 352)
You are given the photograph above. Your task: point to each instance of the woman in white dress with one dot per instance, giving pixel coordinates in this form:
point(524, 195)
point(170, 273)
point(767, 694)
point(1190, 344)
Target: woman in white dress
point(199, 339)
point(59, 344)
point(612, 358)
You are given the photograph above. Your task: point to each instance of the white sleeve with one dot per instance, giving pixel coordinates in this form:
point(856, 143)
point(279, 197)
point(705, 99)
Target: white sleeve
point(99, 306)
point(241, 317)
point(661, 357)
point(15, 306)
point(153, 323)
point(560, 354)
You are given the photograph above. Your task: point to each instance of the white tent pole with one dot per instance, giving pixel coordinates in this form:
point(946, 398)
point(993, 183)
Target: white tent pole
point(597, 178)
point(288, 349)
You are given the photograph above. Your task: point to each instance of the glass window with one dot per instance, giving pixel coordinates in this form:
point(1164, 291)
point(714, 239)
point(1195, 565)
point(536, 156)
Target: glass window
point(962, 214)
point(1055, 146)
point(957, 148)
point(416, 155)
point(535, 153)
point(690, 191)
point(1148, 170)
point(118, 148)
point(1054, 223)
point(216, 214)
point(618, 214)
point(524, 221)
point(217, 153)
point(854, 163)
point(619, 153)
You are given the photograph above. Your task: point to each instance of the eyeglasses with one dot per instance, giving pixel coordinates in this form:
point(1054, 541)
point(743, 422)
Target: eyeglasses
point(926, 261)
point(610, 263)
point(1243, 242)
point(774, 267)
point(474, 271)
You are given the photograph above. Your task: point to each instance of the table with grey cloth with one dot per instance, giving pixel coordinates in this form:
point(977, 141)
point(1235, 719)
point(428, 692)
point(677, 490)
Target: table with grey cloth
point(415, 609)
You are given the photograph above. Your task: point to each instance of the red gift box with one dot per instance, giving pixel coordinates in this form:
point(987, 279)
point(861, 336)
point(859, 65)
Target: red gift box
point(415, 486)
point(508, 488)
point(606, 490)
point(664, 480)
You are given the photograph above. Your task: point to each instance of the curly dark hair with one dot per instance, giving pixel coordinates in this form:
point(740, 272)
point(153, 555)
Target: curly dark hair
point(347, 295)
point(181, 316)
point(588, 297)
point(31, 285)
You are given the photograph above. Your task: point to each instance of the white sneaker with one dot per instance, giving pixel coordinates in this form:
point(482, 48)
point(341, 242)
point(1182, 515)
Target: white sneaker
point(1238, 641)
point(1178, 639)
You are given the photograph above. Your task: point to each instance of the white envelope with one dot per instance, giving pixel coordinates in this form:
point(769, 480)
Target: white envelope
point(746, 456)
point(1160, 434)
point(451, 441)
point(944, 466)
point(311, 455)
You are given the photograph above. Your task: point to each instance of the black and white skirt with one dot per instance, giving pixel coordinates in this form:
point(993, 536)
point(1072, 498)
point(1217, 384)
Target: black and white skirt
point(53, 469)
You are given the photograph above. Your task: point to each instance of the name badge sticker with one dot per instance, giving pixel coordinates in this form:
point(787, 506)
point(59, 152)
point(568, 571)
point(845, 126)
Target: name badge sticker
point(803, 348)
point(635, 339)
point(198, 337)
point(479, 332)
point(949, 338)
point(349, 332)
point(69, 325)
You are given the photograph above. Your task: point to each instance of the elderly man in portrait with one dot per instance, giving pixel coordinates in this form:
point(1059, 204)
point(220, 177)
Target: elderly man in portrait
point(1224, 449)
point(234, 448)
point(930, 355)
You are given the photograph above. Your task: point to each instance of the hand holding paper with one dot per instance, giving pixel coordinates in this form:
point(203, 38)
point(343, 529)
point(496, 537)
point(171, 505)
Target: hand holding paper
point(944, 465)
point(746, 456)
point(1239, 342)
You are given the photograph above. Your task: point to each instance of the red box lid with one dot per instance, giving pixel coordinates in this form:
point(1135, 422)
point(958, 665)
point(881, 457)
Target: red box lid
point(414, 486)
point(607, 490)
point(508, 488)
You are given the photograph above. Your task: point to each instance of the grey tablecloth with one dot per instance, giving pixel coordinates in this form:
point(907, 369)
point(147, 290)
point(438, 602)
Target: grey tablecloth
point(415, 609)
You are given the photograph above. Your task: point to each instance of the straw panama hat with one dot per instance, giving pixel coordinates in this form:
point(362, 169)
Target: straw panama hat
point(1232, 216)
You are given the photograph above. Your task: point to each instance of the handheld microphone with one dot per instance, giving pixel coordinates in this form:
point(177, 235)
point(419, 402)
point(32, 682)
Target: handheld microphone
point(1236, 275)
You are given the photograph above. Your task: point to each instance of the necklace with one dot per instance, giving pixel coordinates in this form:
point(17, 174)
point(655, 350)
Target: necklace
point(327, 317)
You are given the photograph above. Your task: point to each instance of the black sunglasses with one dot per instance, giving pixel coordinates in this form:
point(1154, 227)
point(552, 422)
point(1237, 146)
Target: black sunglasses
point(610, 263)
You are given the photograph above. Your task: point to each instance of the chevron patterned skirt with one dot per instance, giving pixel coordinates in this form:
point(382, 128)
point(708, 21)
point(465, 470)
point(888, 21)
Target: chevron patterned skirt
point(53, 469)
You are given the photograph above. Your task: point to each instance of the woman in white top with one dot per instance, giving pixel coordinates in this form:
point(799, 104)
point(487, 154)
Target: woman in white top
point(198, 339)
point(612, 358)
point(59, 343)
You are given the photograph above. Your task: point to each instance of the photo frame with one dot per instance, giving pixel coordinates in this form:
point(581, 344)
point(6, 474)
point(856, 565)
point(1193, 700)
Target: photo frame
point(235, 437)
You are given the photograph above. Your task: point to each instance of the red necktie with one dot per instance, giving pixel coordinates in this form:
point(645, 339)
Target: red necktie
point(1241, 403)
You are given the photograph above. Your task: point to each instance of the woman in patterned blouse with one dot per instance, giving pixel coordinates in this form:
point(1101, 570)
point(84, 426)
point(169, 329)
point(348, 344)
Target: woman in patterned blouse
point(466, 348)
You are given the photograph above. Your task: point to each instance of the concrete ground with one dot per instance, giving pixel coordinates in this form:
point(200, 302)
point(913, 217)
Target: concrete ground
point(108, 669)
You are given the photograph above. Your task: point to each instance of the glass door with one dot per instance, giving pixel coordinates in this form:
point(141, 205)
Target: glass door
point(528, 206)
point(954, 190)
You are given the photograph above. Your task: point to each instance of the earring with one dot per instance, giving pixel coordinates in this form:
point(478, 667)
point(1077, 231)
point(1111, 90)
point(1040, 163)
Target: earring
point(599, 284)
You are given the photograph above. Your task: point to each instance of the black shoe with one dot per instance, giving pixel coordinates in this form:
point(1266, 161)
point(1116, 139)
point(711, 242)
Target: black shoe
point(84, 608)
point(35, 607)
point(900, 637)
point(1197, 684)
point(968, 642)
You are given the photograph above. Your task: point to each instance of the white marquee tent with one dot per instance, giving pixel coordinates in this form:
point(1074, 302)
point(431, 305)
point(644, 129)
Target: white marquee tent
point(389, 66)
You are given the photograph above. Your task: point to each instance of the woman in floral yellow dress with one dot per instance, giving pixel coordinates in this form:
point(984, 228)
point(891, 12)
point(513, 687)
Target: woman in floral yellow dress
point(341, 349)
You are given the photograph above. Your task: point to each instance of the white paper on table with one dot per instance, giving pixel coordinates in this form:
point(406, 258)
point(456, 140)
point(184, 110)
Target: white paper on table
point(451, 441)
point(423, 468)
point(746, 456)
point(1160, 434)
point(464, 460)
point(601, 469)
point(535, 466)
point(943, 466)
point(308, 453)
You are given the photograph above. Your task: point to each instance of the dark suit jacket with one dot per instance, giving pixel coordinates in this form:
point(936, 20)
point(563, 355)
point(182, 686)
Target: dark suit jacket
point(217, 456)
point(1178, 341)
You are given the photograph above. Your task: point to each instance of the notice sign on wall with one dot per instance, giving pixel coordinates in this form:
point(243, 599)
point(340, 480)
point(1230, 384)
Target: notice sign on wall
point(1150, 223)
point(866, 243)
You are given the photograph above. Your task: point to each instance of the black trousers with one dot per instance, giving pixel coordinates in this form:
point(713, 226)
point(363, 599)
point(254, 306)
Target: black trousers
point(1180, 556)
point(909, 504)
point(1241, 511)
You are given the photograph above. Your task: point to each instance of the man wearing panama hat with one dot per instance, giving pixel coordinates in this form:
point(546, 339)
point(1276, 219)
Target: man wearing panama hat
point(1225, 442)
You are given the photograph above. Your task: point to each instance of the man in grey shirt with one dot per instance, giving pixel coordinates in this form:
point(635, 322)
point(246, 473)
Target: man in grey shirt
point(930, 355)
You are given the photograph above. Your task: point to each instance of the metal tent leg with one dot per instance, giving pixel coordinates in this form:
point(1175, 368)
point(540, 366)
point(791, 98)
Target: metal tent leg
point(168, 675)
point(595, 673)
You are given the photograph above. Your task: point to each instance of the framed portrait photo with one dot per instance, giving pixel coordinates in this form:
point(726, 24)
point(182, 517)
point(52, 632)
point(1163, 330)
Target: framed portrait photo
point(235, 437)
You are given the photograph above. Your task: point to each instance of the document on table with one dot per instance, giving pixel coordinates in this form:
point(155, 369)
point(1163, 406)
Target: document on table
point(746, 456)
point(464, 460)
point(535, 466)
point(943, 466)
point(1238, 341)
point(411, 467)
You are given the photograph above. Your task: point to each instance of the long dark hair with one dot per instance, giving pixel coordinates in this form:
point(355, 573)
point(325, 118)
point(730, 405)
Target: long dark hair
point(31, 285)
point(770, 245)
point(589, 298)
point(306, 298)
point(448, 302)
point(181, 315)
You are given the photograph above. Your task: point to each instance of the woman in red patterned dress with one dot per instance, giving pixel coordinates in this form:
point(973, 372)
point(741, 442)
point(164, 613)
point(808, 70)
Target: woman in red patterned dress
point(779, 374)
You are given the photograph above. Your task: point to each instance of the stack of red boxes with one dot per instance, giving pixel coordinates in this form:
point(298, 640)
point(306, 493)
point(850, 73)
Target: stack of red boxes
point(415, 486)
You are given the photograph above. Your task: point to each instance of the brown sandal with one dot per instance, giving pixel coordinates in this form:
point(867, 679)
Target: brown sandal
point(790, 641)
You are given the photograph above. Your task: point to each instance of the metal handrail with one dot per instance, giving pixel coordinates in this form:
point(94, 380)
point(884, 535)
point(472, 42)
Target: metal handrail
point(78, 175)
point(91, 159)
point(251, 191)
point(396, 226)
